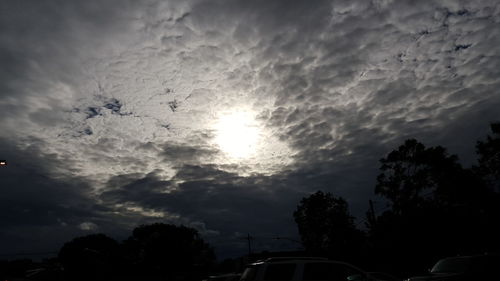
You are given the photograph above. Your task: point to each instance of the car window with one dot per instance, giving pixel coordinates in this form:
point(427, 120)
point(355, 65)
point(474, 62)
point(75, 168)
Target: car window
point(329, 271)
point(317, 271)
point(279, 272)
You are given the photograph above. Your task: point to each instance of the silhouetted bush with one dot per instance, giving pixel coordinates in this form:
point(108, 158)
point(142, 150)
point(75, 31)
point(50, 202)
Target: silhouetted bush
point(93, 257)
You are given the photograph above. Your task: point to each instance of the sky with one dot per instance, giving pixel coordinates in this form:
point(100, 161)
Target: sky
point(222, 114)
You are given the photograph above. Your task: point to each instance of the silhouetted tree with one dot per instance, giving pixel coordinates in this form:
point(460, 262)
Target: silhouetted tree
point(91, 257)
point(174, 252)
point(326, 227)
point(489, 171)
point(437, 208)
point(489, 158)
point(420, 183)
point(413, 176)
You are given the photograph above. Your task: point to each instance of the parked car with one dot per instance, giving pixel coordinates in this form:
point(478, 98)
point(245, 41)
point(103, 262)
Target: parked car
point(303, 269)
point(464, 268)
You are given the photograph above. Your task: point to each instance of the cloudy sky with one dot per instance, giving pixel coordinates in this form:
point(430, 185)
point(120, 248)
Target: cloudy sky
point(221, 115)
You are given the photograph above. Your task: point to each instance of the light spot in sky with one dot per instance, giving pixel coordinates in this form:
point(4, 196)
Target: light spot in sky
point(87, 226)
point(245, 144)
point(237, 134)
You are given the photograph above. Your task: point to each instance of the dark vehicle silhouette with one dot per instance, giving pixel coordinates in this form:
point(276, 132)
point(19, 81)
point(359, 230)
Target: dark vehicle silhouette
point(464, 268)
point(303, 268)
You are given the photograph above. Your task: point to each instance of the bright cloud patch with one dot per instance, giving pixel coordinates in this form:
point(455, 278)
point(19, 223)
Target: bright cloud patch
point(87, 226)
point(237, 134)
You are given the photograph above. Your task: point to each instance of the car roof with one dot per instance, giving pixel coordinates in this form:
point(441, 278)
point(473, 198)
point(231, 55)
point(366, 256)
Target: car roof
point(279, 260)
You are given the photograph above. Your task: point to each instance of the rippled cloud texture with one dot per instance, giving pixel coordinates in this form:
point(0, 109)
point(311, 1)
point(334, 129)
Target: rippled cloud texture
point(108, 108)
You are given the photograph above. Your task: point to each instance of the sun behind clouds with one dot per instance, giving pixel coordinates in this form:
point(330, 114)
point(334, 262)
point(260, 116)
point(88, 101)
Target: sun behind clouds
point(246, 145)
point(237, 134)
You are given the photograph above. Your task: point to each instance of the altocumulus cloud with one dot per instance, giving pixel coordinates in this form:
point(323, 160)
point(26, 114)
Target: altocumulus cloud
point(108, 108)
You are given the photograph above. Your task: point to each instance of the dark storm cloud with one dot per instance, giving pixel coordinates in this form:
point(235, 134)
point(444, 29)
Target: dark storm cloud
point(131, 187)
point(39, 202)
point(224, 202)
point(43, 204)
point(231, 205)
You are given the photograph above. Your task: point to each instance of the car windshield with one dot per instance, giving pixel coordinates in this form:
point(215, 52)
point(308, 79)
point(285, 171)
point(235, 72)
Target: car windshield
point(452, 265)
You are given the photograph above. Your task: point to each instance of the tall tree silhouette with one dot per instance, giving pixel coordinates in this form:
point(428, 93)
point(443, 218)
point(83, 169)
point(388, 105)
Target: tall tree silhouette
point(413, 176)
point(326, 227)
point(419, 183)
point(489, 171)
point(489, 158)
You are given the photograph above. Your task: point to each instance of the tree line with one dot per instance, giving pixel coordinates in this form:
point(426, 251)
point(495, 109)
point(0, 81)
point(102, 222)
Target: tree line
point(166, 250)
point(153, 252)
point(435, 208)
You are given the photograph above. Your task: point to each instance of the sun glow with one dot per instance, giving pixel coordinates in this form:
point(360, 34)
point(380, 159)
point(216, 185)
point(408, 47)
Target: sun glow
point(237, 134)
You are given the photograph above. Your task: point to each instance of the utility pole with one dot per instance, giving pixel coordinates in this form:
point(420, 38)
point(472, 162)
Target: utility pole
point(249, 239)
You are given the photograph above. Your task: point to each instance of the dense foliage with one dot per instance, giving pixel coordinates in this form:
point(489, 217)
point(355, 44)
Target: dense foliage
point(153, 251)
point(436, 208)
point(326, 227)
